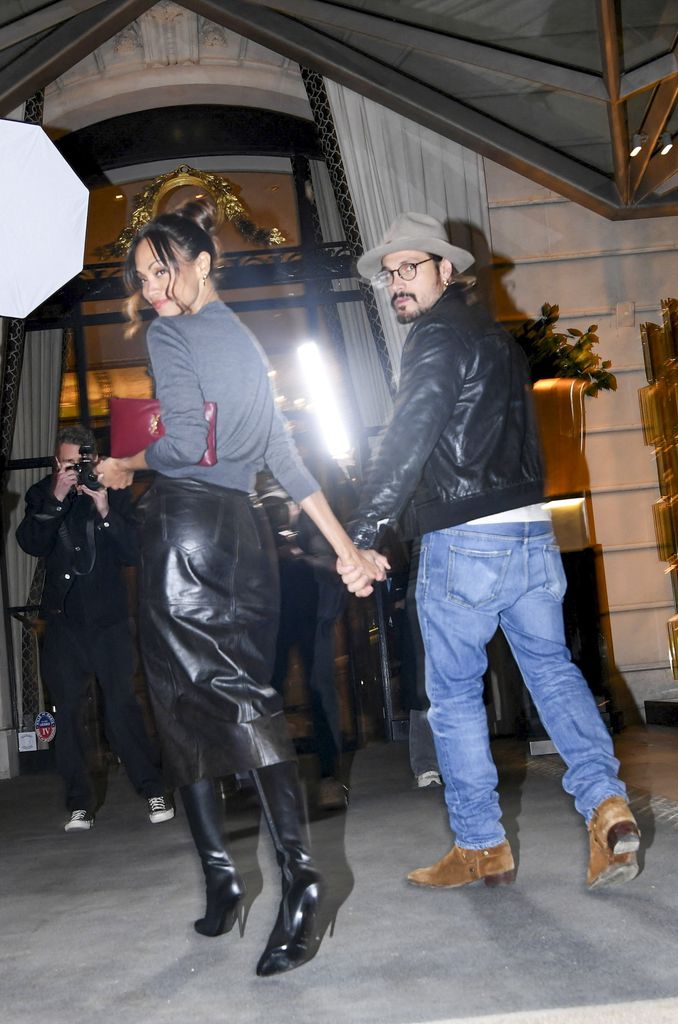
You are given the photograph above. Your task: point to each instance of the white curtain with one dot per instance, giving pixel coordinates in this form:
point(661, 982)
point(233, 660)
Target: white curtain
point(373, 398)
point(394, 165)
point(34, 436)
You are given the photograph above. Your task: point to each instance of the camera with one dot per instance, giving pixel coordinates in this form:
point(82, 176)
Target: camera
point(85, 468)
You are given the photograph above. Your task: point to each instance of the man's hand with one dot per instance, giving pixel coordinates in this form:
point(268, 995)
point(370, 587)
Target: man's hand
point(363, 568)
point(114, 474)
point(99, 497)
point(65, 478)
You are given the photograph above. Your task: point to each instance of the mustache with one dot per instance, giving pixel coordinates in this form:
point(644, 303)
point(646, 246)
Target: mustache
point(401, 295)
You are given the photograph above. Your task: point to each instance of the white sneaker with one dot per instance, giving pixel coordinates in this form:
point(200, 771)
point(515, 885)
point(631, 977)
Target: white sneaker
point(430, 778)
point(159, 809)
point(79, 822)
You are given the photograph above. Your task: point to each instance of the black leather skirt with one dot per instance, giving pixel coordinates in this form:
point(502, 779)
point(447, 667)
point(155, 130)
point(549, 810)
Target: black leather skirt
point(208, 614)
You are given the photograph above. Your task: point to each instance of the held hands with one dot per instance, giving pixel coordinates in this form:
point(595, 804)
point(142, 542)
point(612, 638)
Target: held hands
point(357, 568)
point(360, 569)
point(114, 474)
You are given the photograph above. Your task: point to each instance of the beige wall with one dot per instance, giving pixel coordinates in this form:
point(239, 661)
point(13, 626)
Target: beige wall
point(557, 252)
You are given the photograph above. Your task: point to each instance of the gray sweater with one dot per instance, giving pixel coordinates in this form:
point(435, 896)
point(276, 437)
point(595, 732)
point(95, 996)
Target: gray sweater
point(212, 356)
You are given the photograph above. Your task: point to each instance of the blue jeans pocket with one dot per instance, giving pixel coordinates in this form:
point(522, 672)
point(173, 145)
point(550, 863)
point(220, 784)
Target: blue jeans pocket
point(554, 574)
point(475, 578)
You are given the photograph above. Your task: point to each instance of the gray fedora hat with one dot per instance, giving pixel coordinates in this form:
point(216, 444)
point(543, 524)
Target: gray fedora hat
point(415, 231)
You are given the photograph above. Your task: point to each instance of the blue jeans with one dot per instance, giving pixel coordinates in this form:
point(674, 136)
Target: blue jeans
point(471, 580)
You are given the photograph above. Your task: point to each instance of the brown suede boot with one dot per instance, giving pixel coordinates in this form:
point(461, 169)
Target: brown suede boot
point(493, 866)
point(614, 838)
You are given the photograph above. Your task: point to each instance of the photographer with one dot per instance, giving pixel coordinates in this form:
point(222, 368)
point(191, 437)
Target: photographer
point(86, 535)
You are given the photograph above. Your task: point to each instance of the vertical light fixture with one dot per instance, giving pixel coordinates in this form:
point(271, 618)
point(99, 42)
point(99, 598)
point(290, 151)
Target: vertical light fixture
point(637, 143)
point(666, 142)
point(323, 399)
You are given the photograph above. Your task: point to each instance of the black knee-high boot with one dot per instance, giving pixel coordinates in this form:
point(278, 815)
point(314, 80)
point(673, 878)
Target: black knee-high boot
point(296, 934)
point(224, 887)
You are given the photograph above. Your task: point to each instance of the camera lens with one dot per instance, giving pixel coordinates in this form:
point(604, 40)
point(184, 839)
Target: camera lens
point(85, 468)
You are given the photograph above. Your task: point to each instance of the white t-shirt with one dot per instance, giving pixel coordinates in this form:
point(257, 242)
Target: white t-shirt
point(526, 514)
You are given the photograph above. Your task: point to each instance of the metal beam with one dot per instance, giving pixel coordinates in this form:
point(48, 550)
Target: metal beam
point(610, 35)
point(659, 169)
point(43, 20)
point(418, 102)
point(64, 47)
point(648, 75)
point(657, 114)
point(442, 45)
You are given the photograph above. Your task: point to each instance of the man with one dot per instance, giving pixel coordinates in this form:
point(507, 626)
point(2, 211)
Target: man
point(85, 536)
point(462, 453)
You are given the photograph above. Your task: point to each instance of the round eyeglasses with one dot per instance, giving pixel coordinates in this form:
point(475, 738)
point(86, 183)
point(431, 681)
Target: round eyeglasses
point(406, 272)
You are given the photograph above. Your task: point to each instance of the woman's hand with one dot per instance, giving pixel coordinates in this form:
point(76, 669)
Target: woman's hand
point(114, 473)
point(359, 570)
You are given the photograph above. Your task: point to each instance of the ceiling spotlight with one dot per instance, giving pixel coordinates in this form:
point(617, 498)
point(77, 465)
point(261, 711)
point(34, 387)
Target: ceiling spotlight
point(637, 143)
point(666, 142)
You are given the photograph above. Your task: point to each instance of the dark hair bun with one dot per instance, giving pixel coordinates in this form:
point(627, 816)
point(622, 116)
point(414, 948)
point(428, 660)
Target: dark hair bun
point(202, 212)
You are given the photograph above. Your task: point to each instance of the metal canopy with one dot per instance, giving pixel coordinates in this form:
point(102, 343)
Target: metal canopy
point(555, 91)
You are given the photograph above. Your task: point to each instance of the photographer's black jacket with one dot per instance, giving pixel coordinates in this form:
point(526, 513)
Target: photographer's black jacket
point(462, 442)
point(83, 553)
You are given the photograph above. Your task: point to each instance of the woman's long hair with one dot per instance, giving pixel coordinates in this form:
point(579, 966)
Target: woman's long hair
point(174, 238)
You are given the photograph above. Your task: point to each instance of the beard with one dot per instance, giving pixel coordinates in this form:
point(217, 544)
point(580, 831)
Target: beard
point(408, 318)
point(405, 318)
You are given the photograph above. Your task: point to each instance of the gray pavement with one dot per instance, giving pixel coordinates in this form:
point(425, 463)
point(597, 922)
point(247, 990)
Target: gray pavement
point(101, 922)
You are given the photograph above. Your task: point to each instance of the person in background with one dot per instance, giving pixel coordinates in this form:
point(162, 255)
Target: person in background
point(462, 452)
point(86, 535)
point(341, 496)
point(423, 759)
point(209, 595)
point(300, 619)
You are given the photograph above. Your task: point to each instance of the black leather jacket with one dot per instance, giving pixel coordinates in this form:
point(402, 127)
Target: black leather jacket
point(83, 553)
point(462, 442)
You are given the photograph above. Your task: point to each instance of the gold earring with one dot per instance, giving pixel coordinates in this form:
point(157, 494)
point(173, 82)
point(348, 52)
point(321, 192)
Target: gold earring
point(204, 279)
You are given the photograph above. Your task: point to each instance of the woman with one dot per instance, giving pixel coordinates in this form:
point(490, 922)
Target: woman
point(209, 578)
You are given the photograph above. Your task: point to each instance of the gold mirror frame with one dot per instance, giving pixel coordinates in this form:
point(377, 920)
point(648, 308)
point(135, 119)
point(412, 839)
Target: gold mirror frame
point(179, 178)
point(229, 207)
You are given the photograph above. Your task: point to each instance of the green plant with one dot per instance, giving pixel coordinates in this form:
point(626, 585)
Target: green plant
point(551, 354)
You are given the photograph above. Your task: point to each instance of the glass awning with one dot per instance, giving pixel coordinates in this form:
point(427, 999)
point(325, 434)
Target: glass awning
point(557, 91)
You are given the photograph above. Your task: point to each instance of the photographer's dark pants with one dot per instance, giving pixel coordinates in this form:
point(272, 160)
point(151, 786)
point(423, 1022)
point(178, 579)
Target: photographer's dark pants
point(71, 653)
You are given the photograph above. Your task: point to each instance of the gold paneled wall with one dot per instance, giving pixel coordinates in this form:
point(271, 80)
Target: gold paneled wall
point(659, 414)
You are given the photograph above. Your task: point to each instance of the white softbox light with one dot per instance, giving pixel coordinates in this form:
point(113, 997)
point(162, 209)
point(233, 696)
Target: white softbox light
point(43, 218)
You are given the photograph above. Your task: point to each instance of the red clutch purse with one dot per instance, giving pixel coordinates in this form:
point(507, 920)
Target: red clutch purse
point(136, 423)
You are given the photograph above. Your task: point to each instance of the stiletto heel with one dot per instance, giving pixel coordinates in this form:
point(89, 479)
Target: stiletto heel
point(224, 888)
point(297, 932)
point(224, 906)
